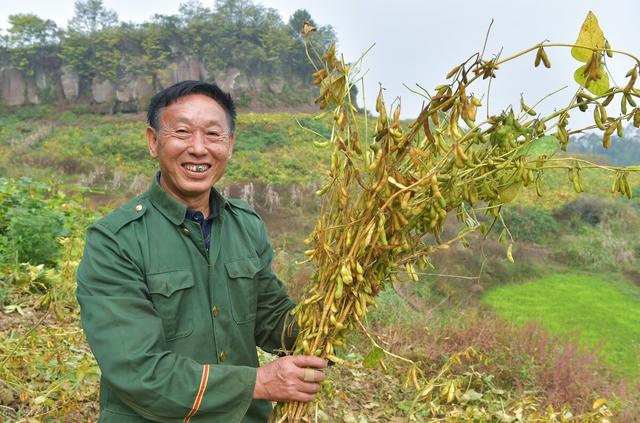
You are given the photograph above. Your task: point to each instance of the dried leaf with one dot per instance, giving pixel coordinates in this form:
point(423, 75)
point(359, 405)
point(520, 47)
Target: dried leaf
point(307, 29)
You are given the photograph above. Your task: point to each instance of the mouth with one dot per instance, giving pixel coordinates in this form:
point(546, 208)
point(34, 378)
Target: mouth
point(196, 168)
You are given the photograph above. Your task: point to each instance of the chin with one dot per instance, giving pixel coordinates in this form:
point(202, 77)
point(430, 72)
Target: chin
point(197, 187)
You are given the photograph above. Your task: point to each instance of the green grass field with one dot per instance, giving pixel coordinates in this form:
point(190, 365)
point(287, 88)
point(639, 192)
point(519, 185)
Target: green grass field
point(597, 308)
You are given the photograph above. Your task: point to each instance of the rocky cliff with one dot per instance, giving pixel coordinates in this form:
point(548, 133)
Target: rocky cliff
point(64, 86)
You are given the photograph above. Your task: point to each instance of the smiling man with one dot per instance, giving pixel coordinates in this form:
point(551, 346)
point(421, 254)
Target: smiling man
point(176, 287)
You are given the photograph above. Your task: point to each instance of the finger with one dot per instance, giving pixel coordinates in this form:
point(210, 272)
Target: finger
point(309, 361)
point(309, 388)
point(308, 375)
point(303, 397)
point(311, 375)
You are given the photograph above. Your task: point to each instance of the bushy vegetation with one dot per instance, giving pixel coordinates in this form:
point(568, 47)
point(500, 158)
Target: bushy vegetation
point(46, 370)
point(529, 223)
point(231, 34)
point(29, 223)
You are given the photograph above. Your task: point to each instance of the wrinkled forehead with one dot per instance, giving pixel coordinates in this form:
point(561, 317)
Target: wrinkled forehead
point(195, 109)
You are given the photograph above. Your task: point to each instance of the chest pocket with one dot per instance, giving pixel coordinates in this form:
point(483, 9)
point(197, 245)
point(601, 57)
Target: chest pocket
point(172, 296)
point(243, 288)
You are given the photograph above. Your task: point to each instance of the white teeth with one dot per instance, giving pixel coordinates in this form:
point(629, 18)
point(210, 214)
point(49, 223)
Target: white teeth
point(197, 168)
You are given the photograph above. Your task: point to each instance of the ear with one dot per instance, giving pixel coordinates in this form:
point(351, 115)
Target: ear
point(232, 141)
point(152, 141)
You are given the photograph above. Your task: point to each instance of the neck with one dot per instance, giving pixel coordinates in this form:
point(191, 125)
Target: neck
point(200, 203)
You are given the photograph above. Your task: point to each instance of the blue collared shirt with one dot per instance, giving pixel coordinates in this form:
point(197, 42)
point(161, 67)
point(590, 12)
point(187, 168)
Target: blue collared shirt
point(205, 224)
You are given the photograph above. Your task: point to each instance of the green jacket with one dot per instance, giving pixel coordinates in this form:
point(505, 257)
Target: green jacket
point(173, 327)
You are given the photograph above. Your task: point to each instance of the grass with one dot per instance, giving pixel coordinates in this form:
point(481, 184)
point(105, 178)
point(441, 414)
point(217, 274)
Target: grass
point(601, 311)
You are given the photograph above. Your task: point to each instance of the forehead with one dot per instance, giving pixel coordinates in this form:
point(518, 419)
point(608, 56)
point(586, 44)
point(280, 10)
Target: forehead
point(195, 108)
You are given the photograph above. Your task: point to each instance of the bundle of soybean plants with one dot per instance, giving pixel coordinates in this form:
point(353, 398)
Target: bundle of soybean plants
point(391, 188)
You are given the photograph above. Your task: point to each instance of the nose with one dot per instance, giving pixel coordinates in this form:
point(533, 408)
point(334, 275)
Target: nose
point(197, 144)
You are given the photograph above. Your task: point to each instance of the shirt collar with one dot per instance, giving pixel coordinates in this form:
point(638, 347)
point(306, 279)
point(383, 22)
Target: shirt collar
point(175, 210)
point(213, 210)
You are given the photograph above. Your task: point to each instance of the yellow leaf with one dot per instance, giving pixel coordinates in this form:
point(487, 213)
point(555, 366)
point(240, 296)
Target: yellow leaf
point(599, 403)
point(590, 36)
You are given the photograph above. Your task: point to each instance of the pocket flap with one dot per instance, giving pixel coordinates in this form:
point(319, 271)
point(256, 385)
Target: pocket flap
point(245, 268)
point(166, 283)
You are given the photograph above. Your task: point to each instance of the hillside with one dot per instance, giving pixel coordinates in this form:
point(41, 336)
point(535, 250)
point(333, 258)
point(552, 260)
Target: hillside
point(67, 168)
point(623, 151)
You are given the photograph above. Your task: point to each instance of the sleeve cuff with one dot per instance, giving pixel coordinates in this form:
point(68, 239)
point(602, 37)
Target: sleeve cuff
point(204, 380)
point(229, 385)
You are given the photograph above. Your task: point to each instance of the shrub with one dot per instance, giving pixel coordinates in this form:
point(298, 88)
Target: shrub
point(529, 223)
point(596, 249)
point(584, 210)
point(30, 223)
point(33, 234)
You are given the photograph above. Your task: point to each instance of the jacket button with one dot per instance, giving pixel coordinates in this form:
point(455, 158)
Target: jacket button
point(185, 231)
point(139, 207)
point(222, 356)
point(214, 311)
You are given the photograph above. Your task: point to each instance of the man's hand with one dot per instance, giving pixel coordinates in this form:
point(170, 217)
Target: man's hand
point(291, 378)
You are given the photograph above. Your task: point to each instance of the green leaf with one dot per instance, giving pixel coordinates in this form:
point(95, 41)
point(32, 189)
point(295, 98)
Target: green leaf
point(597, 86)
point(510, 193)
point(471, 395)
point(543, 146)
point(373, 358)
point(590, 36)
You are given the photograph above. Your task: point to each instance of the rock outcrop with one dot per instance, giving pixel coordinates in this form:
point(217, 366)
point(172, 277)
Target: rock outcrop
point(70, 82)
point(130, 93)
point(13, 86)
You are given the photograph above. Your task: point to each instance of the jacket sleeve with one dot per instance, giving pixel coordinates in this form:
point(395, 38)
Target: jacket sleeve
point(276, 329)
point(126, 336)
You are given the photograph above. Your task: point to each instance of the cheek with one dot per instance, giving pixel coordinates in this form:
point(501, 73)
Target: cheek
point(221, 154)
point(170, 153)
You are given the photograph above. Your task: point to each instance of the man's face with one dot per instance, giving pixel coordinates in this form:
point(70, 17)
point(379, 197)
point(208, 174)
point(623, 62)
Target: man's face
point(192, 146)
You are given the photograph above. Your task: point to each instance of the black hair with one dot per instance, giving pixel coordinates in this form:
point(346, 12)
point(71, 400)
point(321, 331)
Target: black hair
point(170, 95)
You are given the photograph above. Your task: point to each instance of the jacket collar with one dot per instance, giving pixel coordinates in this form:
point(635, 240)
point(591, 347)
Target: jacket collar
point(172, 208)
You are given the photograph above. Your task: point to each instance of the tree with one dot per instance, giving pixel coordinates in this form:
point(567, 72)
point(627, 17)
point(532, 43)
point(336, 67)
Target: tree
point(28, 30)
point(33, 42)
point(91, 16)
